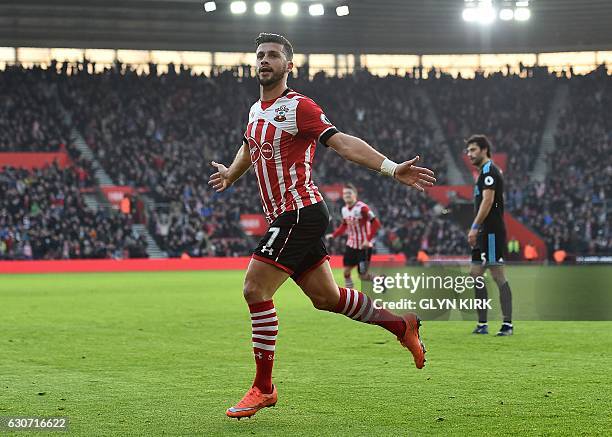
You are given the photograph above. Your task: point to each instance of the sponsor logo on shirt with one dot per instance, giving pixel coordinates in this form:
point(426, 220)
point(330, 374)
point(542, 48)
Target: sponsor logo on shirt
point(256, 150)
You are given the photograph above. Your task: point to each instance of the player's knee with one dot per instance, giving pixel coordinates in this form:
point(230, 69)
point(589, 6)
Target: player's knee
point(252, 291)
point(475, 273)
point(498, 276)
point(499, 280)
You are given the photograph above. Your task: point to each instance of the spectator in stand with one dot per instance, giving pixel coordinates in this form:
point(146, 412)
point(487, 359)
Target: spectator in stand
point(126, 205)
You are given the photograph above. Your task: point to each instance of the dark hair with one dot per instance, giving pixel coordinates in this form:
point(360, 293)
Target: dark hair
point(279, 39)
point(481, 141)
point(350, 186)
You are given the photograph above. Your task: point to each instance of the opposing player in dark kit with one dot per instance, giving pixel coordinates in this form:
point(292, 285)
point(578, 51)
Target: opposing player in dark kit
point(487, 236)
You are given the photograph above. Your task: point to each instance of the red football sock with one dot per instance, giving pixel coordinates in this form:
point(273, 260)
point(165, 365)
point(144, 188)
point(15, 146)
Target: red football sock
point(265, 327)
point(358, 306)
point(348, 281)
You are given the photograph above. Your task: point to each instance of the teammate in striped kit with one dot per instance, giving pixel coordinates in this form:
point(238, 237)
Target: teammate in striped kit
point(279, 143)
point(361, 225)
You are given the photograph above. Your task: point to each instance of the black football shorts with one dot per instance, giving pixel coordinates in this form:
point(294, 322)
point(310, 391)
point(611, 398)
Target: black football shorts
point(357, 257)
point(294, 241)
point(489, 250)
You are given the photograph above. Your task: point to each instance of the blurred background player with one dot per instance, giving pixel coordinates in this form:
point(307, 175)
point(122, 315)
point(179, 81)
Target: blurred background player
point(487, 236)
point(361, 225)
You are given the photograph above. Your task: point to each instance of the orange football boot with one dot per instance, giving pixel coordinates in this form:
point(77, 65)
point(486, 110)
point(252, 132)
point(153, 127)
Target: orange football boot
point(411, 339)
point(253, 401)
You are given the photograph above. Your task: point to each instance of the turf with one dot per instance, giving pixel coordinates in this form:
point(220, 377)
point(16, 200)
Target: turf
point(166, 353)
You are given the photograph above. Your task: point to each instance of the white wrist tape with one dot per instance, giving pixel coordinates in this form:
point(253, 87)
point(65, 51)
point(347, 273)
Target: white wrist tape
point(388, 167)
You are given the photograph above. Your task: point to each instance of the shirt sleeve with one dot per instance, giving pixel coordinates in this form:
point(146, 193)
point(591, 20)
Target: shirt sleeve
point(339, 230)
point(367, 213)
point(312, 122)
point(374, 227)
point(489, 181)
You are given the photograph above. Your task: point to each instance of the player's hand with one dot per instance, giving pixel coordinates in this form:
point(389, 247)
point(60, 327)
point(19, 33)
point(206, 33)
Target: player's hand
point(329, 236)
point(418, 177)
point(367, 245)
point(472, 237)
point(219, 180)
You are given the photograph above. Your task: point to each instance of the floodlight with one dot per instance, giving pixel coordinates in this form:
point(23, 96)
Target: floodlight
point(316, 9)
point(289, 9)
point(341, 11)
point(238, 7)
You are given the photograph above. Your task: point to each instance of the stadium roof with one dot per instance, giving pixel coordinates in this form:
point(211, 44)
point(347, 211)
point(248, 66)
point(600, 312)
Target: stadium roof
point(373, 26)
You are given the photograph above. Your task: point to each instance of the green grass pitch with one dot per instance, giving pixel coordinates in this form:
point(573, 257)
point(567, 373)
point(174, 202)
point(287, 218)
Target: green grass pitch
point(166, 353)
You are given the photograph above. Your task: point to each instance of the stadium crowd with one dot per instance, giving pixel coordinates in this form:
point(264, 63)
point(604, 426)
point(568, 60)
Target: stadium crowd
point(43, 216)
point(390, 115)
point(570, 208)
point(510, 109)
point(160, 132)
point(31, 116)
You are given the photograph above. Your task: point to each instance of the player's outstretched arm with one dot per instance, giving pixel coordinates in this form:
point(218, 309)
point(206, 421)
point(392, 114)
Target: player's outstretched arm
point(338, 231)
point(225, 177)
point(356, 150)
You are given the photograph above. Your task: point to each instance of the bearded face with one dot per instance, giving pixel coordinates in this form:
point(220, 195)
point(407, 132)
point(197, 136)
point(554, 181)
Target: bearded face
point(476, 154)
point(272, 64)
point(267, 75)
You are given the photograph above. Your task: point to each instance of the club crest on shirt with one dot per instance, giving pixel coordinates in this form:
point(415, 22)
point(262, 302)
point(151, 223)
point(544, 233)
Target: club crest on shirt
point(280, 113)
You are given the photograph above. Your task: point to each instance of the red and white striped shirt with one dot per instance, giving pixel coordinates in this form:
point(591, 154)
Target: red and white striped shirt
point(282, 136)
point(359, 222)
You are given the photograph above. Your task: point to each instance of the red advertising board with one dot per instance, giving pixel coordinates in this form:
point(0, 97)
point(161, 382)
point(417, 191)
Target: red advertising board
point(253, 224)
point(157, 265)
point(443, 193)
point(114, 193)
point(30, 160)
point(333, 191)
